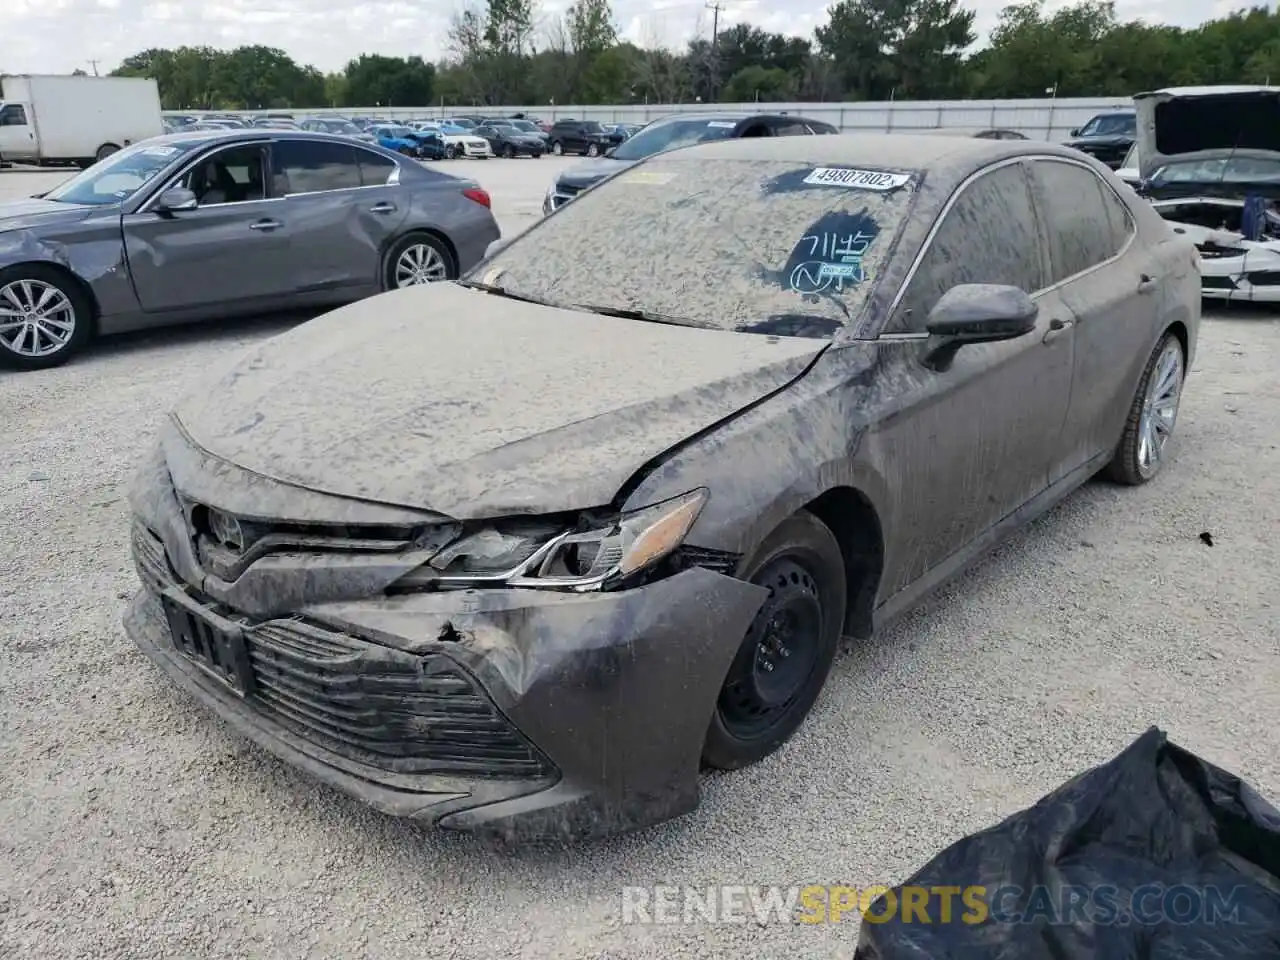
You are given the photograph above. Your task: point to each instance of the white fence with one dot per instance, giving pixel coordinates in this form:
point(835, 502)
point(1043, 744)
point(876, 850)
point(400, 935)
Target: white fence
point(1048, 119)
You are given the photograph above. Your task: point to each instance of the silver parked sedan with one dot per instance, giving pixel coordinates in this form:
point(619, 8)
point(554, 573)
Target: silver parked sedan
point(213, 223)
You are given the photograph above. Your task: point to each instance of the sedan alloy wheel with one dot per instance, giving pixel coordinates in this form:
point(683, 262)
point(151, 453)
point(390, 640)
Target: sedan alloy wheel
point(417, 263)
point(1143, 446)
point(37, 320)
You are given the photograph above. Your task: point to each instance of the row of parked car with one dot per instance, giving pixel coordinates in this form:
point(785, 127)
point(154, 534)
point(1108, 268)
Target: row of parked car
point(449, 138)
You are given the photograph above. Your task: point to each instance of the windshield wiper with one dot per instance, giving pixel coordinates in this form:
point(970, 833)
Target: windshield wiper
point(628, 313)
point(498, 291)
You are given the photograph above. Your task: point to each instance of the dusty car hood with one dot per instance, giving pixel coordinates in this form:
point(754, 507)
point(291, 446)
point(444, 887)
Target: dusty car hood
point(591, 172)
point(25, 214)
point(471, 405)
point(1175, 119)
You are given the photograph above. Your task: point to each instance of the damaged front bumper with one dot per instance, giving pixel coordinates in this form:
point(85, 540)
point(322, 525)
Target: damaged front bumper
point(517, 713)
point(1232, 266)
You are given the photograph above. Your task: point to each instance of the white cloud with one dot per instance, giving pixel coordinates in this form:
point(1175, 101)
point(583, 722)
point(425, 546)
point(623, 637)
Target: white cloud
point(59, 36)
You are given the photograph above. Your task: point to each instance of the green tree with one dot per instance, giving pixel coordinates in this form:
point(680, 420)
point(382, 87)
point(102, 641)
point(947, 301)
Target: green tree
point(389, 81)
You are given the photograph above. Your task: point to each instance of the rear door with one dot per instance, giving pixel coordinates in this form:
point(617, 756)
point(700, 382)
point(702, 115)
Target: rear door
point(1111, 285)
point(234, 249)
point(346, 202)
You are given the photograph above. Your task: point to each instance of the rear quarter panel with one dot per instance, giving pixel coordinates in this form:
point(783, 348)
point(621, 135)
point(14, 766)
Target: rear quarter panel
point(437, 203)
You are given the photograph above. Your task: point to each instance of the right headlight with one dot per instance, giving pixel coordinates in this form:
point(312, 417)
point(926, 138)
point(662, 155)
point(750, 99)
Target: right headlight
point(598, 556)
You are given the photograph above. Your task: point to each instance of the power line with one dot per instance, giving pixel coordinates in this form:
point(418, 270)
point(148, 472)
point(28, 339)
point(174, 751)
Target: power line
point(715, 7)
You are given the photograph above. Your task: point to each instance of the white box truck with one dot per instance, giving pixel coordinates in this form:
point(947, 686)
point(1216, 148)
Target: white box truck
point(51, 120)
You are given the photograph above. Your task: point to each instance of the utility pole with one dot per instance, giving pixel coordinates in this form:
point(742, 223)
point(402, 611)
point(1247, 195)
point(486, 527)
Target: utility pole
point(94, 64)
point(715, 7)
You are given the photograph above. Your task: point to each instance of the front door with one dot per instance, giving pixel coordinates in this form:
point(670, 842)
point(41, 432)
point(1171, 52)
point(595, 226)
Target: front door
point(963, 447)
point(233, 249)
point(1113, 293)
point(18, 133)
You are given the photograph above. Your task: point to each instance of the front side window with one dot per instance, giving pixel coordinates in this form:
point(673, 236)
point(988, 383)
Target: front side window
point(13, 115)
point(122, 174)
point(313, 166)
point(233, 175)
point(1110, 125)
point(759, 246)
point(990, 235)
point(1078, 219)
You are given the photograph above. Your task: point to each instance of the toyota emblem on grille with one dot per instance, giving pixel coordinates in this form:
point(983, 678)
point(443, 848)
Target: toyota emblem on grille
point(226, 530)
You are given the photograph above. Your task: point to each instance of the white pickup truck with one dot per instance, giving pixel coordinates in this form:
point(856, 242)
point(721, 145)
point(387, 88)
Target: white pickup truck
point(51, 120)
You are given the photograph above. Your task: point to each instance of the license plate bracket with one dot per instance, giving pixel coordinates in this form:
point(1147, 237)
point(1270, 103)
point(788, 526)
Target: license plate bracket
point(213, 643)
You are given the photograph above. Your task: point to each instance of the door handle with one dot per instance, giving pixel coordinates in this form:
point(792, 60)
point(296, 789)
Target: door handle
point(1057, 326)
point(265, 225)
point(1147, 283)
point(383, 208)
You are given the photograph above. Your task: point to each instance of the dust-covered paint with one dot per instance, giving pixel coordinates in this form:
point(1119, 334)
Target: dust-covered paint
point(376, 438)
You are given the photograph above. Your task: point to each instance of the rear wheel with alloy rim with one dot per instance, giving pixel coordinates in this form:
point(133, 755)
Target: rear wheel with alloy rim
point(557, 148)
point(593, 150)
point(787, 653)
point(451, 152)
point(417, 259)
point(1149, 427)
point(44, 317)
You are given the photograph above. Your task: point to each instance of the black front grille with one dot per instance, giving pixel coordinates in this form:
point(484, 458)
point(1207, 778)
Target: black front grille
point(378, 706)
point(149, 559)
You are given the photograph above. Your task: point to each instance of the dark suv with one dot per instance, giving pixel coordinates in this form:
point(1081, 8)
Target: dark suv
point(1107, 136)
point(669, 133)
point(586, 137)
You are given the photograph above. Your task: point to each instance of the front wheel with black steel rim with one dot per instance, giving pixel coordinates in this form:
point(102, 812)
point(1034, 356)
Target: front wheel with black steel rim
point(1149, 427)
point(44, 317)
point(787, 653)
point(417, 259)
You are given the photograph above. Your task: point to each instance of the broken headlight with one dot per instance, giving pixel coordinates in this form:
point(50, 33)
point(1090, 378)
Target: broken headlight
point(592, 558)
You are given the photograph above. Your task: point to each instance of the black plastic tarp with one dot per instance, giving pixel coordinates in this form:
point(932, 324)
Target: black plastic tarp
point(1155, 854)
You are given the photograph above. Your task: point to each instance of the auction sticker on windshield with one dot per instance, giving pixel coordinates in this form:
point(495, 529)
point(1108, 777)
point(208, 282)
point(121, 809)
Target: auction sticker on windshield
point(722, 124)
point(856, 179)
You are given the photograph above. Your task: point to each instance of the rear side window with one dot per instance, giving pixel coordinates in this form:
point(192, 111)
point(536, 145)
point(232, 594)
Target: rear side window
point(790, 128)
point(817, 126)
point(375, 169)
point(1085, 222)
point(313, 166)
point(990, 235)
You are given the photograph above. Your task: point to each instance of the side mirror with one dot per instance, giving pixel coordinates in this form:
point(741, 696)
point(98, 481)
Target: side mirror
point(977, 313)
point(1075, 132)
point(177, 199)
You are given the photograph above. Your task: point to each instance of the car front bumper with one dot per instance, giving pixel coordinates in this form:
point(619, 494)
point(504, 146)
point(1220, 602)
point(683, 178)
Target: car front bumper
point(513, 713)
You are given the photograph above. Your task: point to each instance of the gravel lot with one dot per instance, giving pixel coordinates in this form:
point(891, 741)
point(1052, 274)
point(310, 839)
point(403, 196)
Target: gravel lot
point(132, 824)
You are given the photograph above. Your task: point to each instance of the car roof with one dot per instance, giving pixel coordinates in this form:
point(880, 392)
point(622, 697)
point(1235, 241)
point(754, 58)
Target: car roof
point(249, 135)
point(945, 157)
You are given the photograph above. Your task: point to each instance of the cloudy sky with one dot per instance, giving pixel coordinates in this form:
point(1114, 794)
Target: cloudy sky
point(58, 36)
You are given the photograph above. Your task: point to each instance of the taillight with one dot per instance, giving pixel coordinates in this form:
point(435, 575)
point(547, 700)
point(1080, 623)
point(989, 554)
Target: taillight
point(479, 196)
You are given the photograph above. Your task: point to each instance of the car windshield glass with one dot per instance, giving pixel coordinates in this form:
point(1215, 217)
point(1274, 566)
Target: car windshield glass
point(400, 132)
point(524, 125)
point(347, 128)
point(1110, 125)
point(592, 126)
point(465, 124)
point(122, 174)
point(674, 133)
point(744, 245)
point(1220, 170)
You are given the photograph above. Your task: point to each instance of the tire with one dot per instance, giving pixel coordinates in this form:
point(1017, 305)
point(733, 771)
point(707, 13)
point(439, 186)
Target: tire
point(1160, 388)
point(450, 152)
point(509, 152)
point(393, 267)
point(756, 712)
point(405, 152)
point(104, 151)
point(78, 311)
point(557, 148)
point(593, 150)
point(537, 154)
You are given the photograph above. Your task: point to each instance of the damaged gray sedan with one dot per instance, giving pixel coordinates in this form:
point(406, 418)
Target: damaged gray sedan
point(523, 553)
